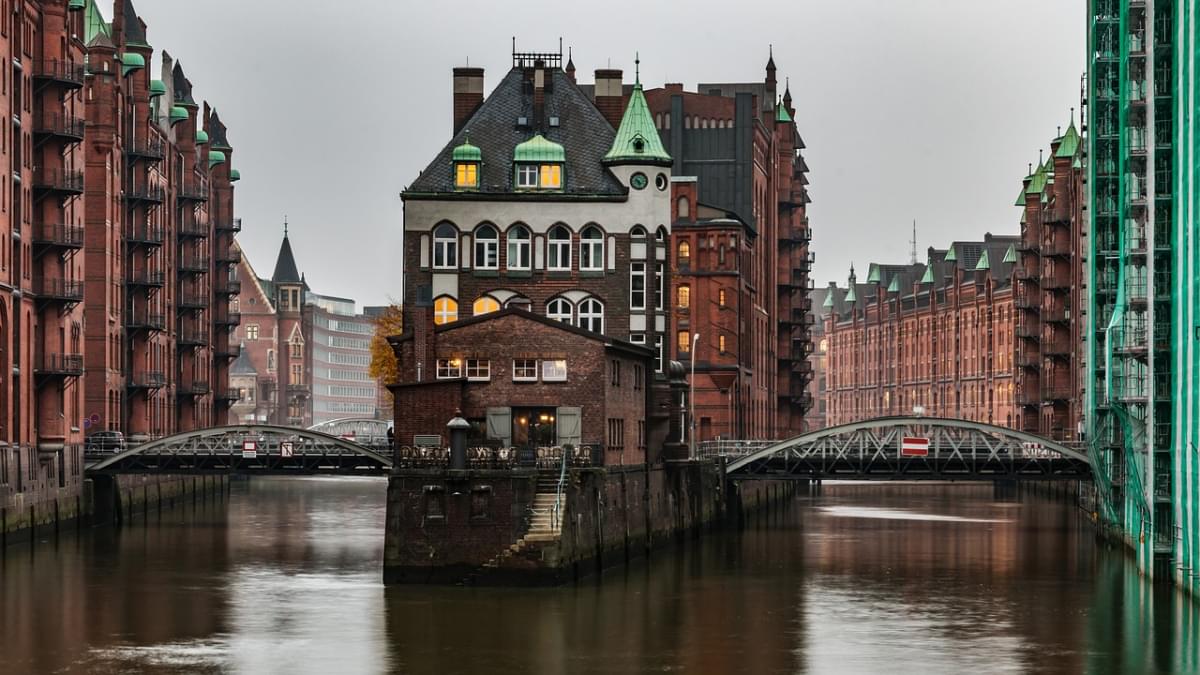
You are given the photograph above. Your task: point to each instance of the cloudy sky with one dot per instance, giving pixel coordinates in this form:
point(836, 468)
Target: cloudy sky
point(925, 109)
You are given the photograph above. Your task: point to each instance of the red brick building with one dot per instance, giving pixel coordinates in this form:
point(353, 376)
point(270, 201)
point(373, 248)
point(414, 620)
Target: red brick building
point(935, 337)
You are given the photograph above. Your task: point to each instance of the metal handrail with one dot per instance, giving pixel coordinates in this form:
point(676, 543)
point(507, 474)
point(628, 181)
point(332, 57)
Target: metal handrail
point(556, 512)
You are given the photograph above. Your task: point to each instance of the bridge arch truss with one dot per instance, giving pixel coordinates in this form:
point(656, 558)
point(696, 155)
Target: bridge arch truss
point(871, 450)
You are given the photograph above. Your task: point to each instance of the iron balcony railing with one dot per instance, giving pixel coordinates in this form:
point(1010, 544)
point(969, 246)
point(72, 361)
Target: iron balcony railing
point(146, 278)
point(192, 338)
point(189, 227)
point(229, 287)
point(1028, 396)
point(1056, 247)
point(62, 365)
point(234, 225)
point(59, 124)
point(228, 318)
point(146, 235)
point(1056, 347)
point(61, 290)
point(1056, 314)
point(1026, 301)
point(230, 257)
point(64, 181)
point(59, 235)
point(193, 301)
point(228, 396)
point(544, 457)
point(148, 148)
point(57, 70)
point(148, 379)
point(145, 321)
point(193, 191)
point(1057, 391)
point(194, 265)
point(193, 389)
point(144, 193)
point(1028, 359)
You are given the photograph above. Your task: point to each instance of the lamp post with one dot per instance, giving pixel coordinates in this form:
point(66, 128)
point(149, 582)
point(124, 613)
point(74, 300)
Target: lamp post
point(692, 401)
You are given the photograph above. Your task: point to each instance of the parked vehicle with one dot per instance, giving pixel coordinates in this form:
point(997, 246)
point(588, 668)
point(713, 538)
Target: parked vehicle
point(104, 443)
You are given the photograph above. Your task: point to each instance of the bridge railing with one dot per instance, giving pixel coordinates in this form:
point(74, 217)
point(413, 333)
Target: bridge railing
point(480, 457)
point(715, 449)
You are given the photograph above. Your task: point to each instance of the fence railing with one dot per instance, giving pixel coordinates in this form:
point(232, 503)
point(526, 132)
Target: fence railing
point(549, 457)
point(729, 448)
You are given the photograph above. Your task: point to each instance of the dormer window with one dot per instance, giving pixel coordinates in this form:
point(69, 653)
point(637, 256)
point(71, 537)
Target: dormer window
point(466, 158)
point(539, 164)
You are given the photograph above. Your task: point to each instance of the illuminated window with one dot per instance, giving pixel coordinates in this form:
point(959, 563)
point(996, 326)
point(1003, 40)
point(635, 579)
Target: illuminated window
point(685, 252)
point(466, 175)
point(684, 341)
point(297, 376)
point(485, 305)
point(721, 297)
point(487, 248)
point(445, 310)
point(518, 248)
point(554, 370)
point(591, 249)
point(551, 176)
point(721, 343)
point(252, 331)
point(559, 309)
point(560, 249)
point(683, 301)
point(448, 369)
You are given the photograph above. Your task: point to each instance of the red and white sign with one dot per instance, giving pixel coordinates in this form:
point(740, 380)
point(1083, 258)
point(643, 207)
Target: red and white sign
point(914, 446)
point(285, 449)
point(249, 449)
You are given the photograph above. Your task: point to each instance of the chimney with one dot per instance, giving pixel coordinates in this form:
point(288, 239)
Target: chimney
point(539, 95)
point(610, 97)
point(468, 94)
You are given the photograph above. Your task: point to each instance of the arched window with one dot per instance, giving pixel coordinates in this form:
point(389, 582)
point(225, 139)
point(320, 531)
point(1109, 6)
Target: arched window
point(518, 248)
point(683, 298)
point(591, 249)
point(591, 315)
point(559, 309)
point(487, 248)
point(560, 249)
point(660, 234)
point(658, 121)
point(685, 252)
point(683, 208)
point(445, 310)
point(445, 247)
point(638, 232)
point(486, 304)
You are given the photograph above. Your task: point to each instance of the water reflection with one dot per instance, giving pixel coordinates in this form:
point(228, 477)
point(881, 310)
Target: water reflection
point(284, 577)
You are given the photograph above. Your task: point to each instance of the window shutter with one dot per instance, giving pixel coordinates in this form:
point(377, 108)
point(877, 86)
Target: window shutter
point(499, 425)
point(568, 423)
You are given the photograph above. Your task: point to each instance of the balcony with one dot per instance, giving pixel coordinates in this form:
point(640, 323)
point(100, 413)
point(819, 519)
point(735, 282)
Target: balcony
point(1028, 396)
point(66, 291)
point(1057, 281)
point(192, 229)
point(135, 320)
point(144, 235)
point(192, 339)
point(1023, 274)
point(234, 225)
point(60, 182)
point(146, 278)
point(228, 287)
point(1056, 315)
point(59, 125)
point(1059, 347)
point(298, 389)
point(193, 301)
point(1025, 246)
point(228, 352)
point(1057, 391)
point(230, 257)
point(66, 73)
point(59, 365)
point(1026, 301)
point(1028, 359)
point(48, 236)
point(144, 193)
point(227, 318)
point(1057, 247)
point(145, 148)
point(148, 379)
point(228, 396)
point(1028, 330)
point(194, 265)
point(193, 192)
point(193, 389)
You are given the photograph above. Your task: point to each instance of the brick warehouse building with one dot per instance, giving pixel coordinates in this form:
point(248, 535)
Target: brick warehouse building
point(119, 216)
point(937, 336)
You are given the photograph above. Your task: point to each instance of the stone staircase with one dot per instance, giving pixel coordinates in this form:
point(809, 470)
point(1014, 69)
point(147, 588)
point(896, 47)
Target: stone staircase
point(543, 532)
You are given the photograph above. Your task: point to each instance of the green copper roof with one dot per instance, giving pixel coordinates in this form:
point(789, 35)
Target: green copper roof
point(76, 4)
point(850, 295)
point(894, 287)
point(873, 275)
point(468, 153)
point(951, 256)
point(1077, 164)
point(157, 88)
point(928, 278)
point(94, 23)
point(984, 263)
point(131, 61)
point(1070, 142)
point(215, 157)
point(1010, 256)
point(828, 299)
point(538, 149)
point(1037, 182)
point(178, 114)
point(782, 114)
point(234, 175)
point(201, 137)
point(1021, 197)
point(637, 140)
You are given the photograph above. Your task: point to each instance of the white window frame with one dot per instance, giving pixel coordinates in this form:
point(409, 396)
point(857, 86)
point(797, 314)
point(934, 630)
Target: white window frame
point(588, 311)
point(479, 370)
point(658, 351)
point(522, 260)
point(637, 339)
point(487, 248)
point(445, 248)
point(527, 176)
point(659, 277)
point(449, 369)
point(558, 258)
point(554, 370)
point(591, 249)
point(637, 270)
point(520, 369)
point(554, 310)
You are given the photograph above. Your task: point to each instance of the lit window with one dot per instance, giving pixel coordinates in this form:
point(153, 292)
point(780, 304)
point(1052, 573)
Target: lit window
point(684, 299)
point(466, 175)
point(445, 247)
point(518, 248)
point(445, 310)
point(637, 286)
point(525, 370)
point(685, 252)
point(252, 331)
point(485, 305)
point(721, 343)
point(448, 369)
point(721, 297)
point(487, 248)
point(560, 249)
point(479, 370)
point(551, 176)
point(554, 370)
point(559, 309)
point(684, 340)
point(297, 350)
point(591, 315)
point(297, 376)
point(591, 249)
point(527, 176)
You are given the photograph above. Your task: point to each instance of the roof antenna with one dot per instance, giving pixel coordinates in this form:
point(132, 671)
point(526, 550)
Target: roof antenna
point(560, 48)
point(637, 68)
point(913, 257)
point(285, 226)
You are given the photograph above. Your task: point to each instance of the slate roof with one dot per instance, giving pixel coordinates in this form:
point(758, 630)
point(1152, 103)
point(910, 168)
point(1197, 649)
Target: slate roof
point(218, 140)
point(242, 365)
point(285, 265)
point(583, 132)
point(135, 34)
point(182, 87)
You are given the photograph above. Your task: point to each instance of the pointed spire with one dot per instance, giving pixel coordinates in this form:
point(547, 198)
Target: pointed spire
point(984, 263)
point(570, 64)
point(828, 298)
point(873, 274)
point(1010, 256)
point(928, 278)
point(285, 264)
point(894, 287)
point(637, 140)
point(770, 58)
point(637, 69)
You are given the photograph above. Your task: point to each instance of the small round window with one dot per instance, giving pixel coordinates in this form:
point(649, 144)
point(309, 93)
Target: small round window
point(638, 181)
point(660, 181)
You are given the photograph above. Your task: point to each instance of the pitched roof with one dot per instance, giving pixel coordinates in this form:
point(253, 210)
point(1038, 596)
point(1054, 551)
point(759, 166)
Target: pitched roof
point(242, 364)
point(182, 87)
point(582, 131)
point(217, 134)
point(285, 265)
point(607, 340)
point(1070, 142)
point(637, 140)
point(135, 33)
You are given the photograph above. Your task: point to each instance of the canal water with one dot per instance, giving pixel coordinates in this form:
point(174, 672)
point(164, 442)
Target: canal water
point(283, 576)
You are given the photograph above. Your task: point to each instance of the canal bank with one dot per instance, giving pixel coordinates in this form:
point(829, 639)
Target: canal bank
point(501, 527)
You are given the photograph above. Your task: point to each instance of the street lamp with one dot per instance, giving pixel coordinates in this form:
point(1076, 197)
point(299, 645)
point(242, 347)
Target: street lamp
point(692, 401)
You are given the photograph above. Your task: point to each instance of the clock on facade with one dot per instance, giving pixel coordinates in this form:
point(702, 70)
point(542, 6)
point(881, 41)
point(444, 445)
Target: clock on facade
point(638, 181)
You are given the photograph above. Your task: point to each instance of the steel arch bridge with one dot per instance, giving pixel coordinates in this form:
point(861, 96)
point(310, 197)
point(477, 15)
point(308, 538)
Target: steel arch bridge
point(276, 451)
point(366, 431)
point(871, 450)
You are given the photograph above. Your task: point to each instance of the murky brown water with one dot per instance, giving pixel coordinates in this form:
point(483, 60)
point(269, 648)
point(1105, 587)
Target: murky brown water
point(284, 577)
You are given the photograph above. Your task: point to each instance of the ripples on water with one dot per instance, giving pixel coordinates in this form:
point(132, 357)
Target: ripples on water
point(284, 577)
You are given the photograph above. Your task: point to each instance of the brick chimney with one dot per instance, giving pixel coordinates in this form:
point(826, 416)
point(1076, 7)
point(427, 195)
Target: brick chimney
point(609, 96)
point(468, 94)
point(539, 95)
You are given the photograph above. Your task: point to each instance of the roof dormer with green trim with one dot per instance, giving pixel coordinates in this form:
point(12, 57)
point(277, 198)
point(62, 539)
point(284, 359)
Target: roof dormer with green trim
point(1069, 145)
point(782, 114)
point(873, 274)
point(466, 159)
point(894, 287)
point(538, 164)
point(928, 278)
point(984, 263)
point(1010, 256)
point(637, 140)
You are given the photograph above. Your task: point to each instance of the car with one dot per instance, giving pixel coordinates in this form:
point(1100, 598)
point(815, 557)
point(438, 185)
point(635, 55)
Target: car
point(104, 442)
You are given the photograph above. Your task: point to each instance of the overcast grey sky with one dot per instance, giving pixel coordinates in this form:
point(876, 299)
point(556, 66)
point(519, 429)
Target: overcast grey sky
point(926, 109)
